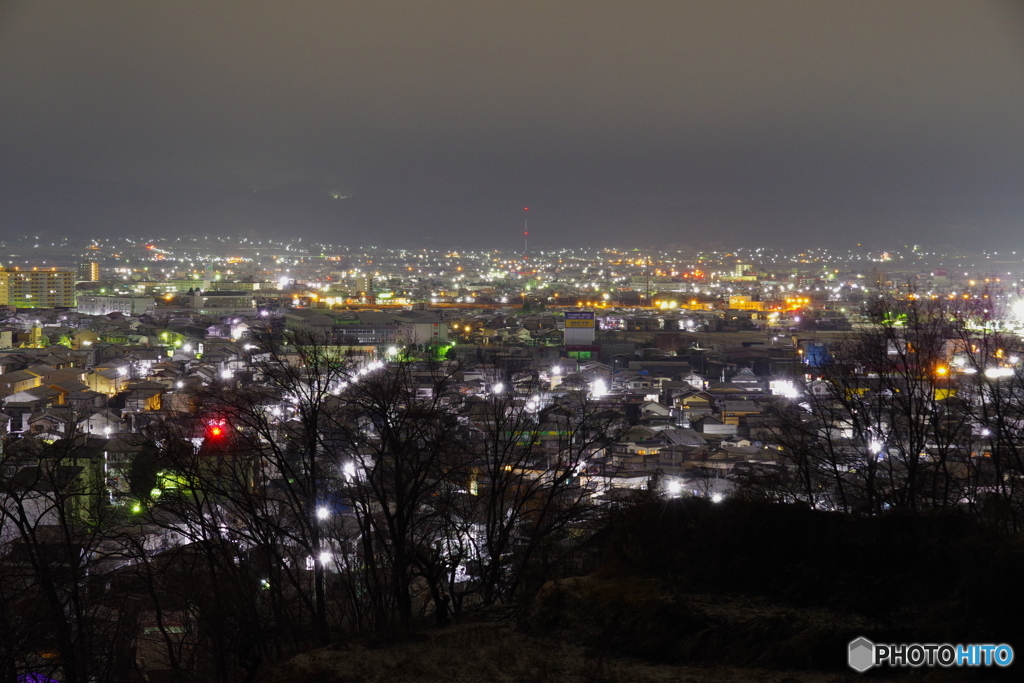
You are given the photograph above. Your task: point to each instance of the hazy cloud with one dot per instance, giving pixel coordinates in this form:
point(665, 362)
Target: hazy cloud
point(615, 121)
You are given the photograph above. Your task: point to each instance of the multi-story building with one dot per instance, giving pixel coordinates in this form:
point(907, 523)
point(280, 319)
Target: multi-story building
point(363, 286)
point(88, 271)
point(102, 305)
point(421, 327)
point(225, 302)
point(37, 287)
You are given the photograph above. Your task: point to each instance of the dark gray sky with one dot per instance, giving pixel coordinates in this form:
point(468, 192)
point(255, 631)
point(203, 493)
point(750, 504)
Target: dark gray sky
point(799, 123)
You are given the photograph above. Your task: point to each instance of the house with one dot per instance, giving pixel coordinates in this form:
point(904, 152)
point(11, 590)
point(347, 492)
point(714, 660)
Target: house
point(693, 404)
point(683, 437)
point(50, 421)
point(106, 380)
point(730, 412)
point(18, 380)
point(23, 396)
point(46, 491)
point(719, 389)
point(102, 422)
point(818, 388)
point(49, 375)
point(709, 424)
point(9, 362)
point(514, 333)
point(696, 381)
point(654, 409)
point(675, 460)
point(745, 378)
point(143, 396)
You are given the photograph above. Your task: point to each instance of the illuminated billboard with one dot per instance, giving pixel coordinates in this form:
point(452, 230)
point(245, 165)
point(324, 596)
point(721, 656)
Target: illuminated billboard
point(582, 319)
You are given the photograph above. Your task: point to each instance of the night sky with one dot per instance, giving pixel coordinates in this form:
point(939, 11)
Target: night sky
point(424, 124)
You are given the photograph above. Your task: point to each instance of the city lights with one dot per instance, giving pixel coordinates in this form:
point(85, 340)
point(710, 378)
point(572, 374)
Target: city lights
point(291, 389)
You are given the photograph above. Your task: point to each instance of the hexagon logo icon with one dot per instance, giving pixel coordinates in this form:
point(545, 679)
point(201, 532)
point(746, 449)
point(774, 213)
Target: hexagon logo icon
point(861, 654)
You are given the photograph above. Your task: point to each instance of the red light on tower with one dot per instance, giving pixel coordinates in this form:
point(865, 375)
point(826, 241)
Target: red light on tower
point(216, 431)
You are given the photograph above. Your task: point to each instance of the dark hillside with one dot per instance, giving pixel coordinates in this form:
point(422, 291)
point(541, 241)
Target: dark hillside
point(740, 583)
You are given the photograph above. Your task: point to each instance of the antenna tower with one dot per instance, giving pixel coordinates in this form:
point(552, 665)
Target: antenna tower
point(526, 233)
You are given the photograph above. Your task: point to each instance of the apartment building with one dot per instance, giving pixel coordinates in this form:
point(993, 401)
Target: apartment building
point(37, 287)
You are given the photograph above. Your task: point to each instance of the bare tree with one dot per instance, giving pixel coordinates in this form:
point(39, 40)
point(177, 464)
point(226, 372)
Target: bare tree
point(55, 525)
point(406, 455)
point(902, 412)
point(528, 460)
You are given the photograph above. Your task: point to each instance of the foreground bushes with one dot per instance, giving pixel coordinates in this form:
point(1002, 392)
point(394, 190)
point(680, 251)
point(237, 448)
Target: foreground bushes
point(784, 586)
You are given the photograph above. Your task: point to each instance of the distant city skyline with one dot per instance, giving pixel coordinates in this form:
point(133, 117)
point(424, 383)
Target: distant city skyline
point(28, 245)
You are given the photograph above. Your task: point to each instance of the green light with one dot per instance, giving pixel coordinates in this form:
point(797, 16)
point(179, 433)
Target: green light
point(170, 480)
point(137, 508)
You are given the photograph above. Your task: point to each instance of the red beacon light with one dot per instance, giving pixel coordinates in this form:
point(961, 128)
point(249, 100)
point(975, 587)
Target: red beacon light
point(216, 429)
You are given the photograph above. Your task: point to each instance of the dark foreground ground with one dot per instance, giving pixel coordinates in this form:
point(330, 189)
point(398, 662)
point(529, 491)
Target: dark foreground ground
point(692, 591)
point(477, 652)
